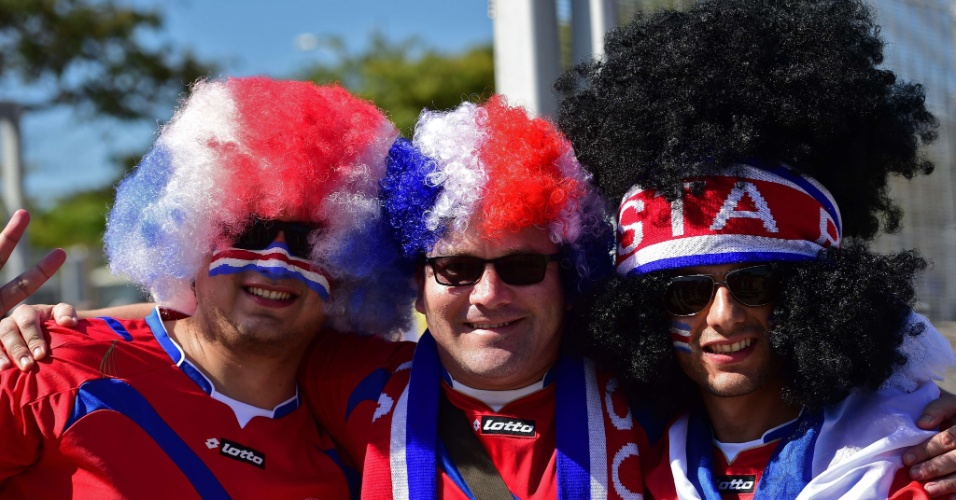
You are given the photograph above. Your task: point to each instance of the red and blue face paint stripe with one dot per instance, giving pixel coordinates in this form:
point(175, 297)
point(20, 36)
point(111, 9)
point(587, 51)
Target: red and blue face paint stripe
point(274, 262)
point(680, 335)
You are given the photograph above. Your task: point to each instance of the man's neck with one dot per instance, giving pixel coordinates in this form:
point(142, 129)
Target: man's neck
point(745, 418)
point(496, 400)
point(263, 380)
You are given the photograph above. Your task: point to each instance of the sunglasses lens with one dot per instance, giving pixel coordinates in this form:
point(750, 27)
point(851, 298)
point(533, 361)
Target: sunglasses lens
point(522, 270)
point(297, 239)
point(753, 286)
point(257, 236)
point(456, 271)
point(688, 295)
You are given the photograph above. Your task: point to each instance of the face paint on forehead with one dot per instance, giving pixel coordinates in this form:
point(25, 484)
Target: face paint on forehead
point(274, 262)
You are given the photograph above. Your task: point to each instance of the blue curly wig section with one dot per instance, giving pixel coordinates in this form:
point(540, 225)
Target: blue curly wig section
point(591, 256)
point(407, 196)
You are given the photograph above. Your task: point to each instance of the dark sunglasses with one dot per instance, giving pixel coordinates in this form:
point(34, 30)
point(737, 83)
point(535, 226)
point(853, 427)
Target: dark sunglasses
point(263, 232)
point(518, 269)
point(751, 286)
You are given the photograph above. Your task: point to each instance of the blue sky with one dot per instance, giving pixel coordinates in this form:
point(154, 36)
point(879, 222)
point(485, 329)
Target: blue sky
point(65, 152)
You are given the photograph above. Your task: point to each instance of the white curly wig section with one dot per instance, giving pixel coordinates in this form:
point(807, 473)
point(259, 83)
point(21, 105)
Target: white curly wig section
point(452, 139)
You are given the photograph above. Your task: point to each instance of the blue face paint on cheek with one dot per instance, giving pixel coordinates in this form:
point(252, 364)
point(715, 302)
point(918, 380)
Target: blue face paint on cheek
point(274, 262)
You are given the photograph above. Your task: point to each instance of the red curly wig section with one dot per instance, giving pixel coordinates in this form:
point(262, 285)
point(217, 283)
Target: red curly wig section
point(522, 157)
point(291, 155)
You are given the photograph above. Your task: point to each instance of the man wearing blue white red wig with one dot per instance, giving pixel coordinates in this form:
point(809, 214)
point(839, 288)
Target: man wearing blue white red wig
point(253, 221)
point(506, 232)
point(750, 148)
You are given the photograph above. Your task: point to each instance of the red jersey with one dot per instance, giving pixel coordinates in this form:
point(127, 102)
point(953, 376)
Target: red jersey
point(852, 449)
point(356, 386)
point(118, 412)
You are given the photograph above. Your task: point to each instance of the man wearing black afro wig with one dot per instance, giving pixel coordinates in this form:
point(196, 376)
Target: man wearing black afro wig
point(749, 143)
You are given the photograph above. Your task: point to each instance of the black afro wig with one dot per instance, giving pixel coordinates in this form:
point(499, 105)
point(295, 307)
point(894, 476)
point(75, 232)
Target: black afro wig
point(680, 94)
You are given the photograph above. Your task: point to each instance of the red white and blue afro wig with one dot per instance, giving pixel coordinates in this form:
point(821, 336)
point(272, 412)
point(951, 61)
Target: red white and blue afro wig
point(243, 149)
point(494, 166)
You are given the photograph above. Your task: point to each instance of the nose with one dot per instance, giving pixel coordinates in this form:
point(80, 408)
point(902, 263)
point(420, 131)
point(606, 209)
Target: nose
point(276, 273)
point(725, 312)
point(491, 291)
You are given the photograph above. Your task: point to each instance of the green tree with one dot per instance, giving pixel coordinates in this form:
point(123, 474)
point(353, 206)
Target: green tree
point(79, 218)
point(405, 77)
point(628, 8)
point(88, 54)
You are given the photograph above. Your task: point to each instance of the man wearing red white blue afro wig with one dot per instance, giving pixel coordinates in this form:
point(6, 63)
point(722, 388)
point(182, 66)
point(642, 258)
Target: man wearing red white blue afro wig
point(243, 152)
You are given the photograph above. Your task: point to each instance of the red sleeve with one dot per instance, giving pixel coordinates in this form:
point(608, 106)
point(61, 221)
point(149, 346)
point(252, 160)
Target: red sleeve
point(342, 378)
point(904, 488)
point(35, 405)
point(19, 430)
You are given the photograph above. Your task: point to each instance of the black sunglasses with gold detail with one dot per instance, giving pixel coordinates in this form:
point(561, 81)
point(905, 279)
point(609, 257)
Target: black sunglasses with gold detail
point(751, 286)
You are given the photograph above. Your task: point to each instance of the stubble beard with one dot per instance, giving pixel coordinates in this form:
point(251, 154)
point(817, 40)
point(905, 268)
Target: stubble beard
point(733, 384)
point(258, 336)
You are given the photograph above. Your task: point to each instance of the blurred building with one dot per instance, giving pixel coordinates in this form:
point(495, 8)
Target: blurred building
point(920, 48)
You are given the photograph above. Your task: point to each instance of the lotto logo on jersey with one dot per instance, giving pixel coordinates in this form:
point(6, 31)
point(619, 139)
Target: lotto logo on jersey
point(736, 484)
point(507, 426)
point(238, 452)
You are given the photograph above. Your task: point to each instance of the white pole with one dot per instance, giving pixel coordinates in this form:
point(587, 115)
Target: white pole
point(590, 22)
point(11, 176)
point(527, 55)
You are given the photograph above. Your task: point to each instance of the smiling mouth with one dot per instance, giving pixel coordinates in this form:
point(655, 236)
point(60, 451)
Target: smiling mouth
point(268, 294)
point(488, 326)
point(729, 348)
